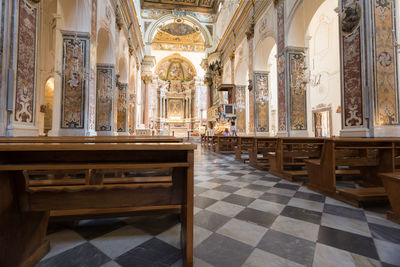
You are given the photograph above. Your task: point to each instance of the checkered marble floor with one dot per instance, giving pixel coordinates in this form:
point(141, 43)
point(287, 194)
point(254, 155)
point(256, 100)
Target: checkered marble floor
point(243, 217)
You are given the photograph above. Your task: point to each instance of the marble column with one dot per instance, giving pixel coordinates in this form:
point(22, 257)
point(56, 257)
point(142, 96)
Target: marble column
point(105, 100)
point(385, 117)
point(261, 88)
point(352, 29)
point(232, 58)
point(145, 102)
point(122, 128)
point(296, 91)
point(282, 106)
point(250, 38)
point(23, 119)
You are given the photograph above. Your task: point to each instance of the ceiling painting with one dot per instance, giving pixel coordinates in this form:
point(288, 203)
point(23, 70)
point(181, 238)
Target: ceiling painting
point(205, 6)
point(175, 67)
point(179, 37)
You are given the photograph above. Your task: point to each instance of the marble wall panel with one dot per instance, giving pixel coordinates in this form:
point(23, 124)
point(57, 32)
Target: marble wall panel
point(352, 91)
point(262, 101)
point(386, 99)
point(298, 107)
point(122, 107)
point(241, 109)
point(104, 97)
point(26, 63)
point(76, 49)
point(281, 68)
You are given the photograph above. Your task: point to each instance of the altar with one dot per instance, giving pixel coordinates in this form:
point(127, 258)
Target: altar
point(176, 96)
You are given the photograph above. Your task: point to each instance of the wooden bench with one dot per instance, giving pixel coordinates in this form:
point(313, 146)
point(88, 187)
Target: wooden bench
point(258, 156)
point(244, 145)
point(288, 162)
point(361, 159)
point(39, 179)
point(391, 181)
point(225, 144)
point(92, 139)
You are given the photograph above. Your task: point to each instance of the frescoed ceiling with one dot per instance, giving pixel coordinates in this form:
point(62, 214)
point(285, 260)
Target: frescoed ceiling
point(175, 67)
point(206, 6)
point(178, 36)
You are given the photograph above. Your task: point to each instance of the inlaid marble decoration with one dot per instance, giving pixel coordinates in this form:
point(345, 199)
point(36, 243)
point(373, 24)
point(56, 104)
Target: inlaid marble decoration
point(121, 109)
point(74, 80)
point(91, 121)
point(298, 112)
point(241, 109)
point(105, 95)
point(262, 101)
point(386, 102)
point(281, 68)
point(26, 63)
point(352, 91)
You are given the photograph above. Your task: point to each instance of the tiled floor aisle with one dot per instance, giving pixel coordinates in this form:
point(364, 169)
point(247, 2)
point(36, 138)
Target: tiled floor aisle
point(243, 217)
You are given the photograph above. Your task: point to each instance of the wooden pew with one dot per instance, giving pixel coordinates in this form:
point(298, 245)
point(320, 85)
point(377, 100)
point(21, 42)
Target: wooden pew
point(39, 179)
point(357, 157)
point(244, 145)
point(391, 182)
point(92, 139)
point(225, 144)
point(262, 146)
point(288, 162)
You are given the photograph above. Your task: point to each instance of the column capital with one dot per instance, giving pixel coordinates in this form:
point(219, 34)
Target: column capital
point(250, 32)
point(147, 77)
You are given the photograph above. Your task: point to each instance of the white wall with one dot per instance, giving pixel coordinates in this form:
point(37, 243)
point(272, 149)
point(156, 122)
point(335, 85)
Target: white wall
point(324, 64)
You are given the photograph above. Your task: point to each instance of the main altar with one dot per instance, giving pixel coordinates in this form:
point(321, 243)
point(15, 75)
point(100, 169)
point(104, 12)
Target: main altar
point(176, 96)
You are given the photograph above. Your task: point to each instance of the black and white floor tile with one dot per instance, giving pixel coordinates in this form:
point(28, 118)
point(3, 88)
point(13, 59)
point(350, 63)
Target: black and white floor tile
point(243, 217)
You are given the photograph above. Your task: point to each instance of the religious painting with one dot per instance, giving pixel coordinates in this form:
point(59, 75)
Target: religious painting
point(175, 67)
point(262, 101)
point(26, 63)
point(105, 95)
point(352, 91)
point(175, 109)
point(175, 72)
point(298, 112)
point(121, 107)
point(386, 102)
point(179, 37)
point(241, 109)
point(74, 83)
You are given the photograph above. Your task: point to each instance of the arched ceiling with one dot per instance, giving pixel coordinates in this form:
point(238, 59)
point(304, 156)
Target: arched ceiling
point(178, 36)
point(207, 6)
point(175, 67)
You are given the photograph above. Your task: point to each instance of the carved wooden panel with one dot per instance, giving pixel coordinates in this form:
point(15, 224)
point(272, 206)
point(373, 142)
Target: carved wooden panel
point(26, 63)
point(105, 95)
point(74, 79)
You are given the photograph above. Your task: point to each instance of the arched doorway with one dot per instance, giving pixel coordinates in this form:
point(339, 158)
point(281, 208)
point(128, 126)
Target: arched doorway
point(313, 41)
